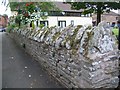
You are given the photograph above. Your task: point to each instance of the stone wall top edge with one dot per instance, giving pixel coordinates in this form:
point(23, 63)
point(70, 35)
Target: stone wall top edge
point(84, 40)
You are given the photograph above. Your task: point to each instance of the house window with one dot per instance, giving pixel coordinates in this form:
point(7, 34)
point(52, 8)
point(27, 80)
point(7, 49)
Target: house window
point(31, 23)
point(116, 18)
point(45, 23)
point(108, 23)
point(37, 23)
point(113, 24)
point(94, 23)
point(62, 24)
point(72, 22)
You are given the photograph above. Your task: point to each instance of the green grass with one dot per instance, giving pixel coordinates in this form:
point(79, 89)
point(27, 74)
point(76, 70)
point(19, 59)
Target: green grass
point(115, 31)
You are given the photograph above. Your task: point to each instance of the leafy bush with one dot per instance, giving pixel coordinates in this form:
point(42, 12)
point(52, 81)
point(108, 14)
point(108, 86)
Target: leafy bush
point(41, 26)
point(33, 25)
point(18, 19)
point(115, 31)
point(11, 27)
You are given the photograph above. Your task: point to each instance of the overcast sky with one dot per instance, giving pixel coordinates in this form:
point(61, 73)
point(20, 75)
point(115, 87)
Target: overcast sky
point(8, 12)
point(3, 8)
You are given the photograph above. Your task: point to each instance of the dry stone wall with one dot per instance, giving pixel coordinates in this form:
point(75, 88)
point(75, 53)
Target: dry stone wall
point(77, 56)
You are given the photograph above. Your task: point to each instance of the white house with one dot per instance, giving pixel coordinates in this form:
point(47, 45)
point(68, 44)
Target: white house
point(64, 21)
point(65, 18)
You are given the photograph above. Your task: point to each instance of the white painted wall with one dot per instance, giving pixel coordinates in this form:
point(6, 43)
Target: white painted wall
point(119, 11)
point(14, 13)
point(53, 20)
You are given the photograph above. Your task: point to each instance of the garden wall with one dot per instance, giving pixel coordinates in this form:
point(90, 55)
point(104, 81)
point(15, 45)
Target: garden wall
point(77, 56)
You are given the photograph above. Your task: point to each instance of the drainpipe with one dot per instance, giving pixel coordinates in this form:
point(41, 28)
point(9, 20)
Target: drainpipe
point(119, 38)
point(119, 41)
point(119, 51)
point(119, 29)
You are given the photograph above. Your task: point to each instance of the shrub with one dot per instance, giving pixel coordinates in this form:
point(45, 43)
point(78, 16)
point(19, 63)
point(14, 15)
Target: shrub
point(41, 26)
point(11, 27)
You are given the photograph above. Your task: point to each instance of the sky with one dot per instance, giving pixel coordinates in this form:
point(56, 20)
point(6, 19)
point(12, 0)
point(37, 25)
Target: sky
point(8, 11)
point(3, 8)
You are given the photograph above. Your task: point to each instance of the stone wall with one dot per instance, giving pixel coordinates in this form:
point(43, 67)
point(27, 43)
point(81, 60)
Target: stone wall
point(78, 57)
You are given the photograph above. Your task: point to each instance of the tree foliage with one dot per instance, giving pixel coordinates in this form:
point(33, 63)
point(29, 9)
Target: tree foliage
point(16, 5)
point(29, 8)
point(95, 7)
point(44, 6)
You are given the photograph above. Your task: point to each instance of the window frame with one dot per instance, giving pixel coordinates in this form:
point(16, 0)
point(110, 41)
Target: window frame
point(61, 25)
point(44, 23)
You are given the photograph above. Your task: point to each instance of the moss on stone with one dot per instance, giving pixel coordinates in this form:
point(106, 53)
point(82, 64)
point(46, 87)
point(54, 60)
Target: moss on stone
point(33, 33)
point(89, 28)
point(64, 42)
point(46, 33)
point(86, 42)
point(37, 33)
point(56, 35)
point(79, 26)
point(74, 51)
point(73, 41)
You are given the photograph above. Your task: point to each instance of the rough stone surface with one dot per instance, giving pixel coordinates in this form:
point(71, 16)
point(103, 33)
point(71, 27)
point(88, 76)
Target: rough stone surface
point(79, 56)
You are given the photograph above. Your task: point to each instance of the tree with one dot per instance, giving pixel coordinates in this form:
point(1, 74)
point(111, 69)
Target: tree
point(27, 8)
point(95, 7)
point(44, 6)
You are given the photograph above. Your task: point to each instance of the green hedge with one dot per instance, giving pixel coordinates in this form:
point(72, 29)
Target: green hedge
point(115, 31)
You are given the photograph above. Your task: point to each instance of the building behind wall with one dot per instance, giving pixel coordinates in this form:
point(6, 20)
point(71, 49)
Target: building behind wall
point(65, 17)
point(111, 18)
point(64, 21)
point(3, 20)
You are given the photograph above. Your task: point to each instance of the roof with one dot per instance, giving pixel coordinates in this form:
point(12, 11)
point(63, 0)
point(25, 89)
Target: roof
point(65, 7)
point(111, 13)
